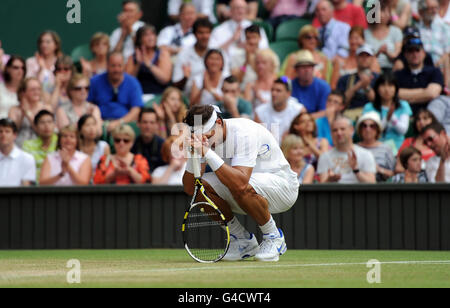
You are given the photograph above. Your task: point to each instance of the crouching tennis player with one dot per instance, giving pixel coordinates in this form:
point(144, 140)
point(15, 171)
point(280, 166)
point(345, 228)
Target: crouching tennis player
point(250, 176)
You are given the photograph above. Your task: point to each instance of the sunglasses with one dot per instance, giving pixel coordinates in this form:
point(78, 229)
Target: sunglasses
point(371, 126)
point(15, 67)
point(63, 69)
point(119, 140)
point(429, 139)
point(81, 88)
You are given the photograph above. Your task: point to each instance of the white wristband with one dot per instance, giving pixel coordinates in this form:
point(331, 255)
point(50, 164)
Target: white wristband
point(214, 160)
point(190, 166)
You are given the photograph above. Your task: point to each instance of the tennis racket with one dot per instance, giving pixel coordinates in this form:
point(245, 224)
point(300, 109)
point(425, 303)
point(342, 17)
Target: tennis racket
point(205, 231)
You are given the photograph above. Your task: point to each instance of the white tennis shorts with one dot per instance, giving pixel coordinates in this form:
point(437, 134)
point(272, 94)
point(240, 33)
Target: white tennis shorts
point(280, 191)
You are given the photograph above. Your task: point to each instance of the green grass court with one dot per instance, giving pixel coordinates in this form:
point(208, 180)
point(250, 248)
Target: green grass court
point(175, 269)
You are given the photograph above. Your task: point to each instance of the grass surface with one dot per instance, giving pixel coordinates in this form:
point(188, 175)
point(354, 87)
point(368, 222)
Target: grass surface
point(174, 269)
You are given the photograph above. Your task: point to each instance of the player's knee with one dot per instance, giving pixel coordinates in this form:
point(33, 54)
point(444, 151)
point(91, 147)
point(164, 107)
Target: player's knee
point(243, 193)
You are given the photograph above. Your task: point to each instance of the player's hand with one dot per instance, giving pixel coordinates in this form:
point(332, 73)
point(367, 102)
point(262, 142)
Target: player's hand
point(200, 145)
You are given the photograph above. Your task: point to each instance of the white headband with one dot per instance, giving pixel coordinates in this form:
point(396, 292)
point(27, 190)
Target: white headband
point(208, 126)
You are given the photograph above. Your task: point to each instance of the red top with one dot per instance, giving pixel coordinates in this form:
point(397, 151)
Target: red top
point(352, 14)
point(427, 153)
point(139, 163)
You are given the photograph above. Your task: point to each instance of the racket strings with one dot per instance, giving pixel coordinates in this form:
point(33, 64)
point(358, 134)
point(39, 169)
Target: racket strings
point(206, 234)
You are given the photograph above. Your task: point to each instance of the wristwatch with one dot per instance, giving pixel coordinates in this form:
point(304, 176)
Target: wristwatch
point(356, 171)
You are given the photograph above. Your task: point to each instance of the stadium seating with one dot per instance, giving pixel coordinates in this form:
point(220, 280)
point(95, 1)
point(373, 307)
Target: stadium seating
point(289, 30)
point(284, 48)
point(267, 28)
point(82, 51)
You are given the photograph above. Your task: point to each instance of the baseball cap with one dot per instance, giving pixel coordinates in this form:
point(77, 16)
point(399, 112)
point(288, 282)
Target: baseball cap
point(364, 49)
point(414, 42)
point(411, 32)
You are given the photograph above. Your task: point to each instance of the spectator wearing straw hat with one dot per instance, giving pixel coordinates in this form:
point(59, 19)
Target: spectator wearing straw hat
point(310, 91)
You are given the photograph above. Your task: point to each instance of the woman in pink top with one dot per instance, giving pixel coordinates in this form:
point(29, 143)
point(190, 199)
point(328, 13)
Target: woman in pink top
point(67, 166)
point(283, 10)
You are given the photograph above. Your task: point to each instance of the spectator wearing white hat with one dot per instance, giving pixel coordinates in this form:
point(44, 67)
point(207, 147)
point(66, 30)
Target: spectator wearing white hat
point(369, 130)
point(358, 87)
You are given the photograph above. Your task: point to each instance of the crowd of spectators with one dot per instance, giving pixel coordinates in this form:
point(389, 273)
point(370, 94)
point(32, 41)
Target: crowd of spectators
point(361, 101)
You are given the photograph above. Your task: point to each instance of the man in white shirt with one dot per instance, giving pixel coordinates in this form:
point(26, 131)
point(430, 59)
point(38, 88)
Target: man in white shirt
point(346, 163)
point(438, 167)
point(250, 176)
point(190, 59)
point(122, 39)
point(278, 115)
point(180, 35)
point(17, 168)
point(205, 8)
point(230, 35)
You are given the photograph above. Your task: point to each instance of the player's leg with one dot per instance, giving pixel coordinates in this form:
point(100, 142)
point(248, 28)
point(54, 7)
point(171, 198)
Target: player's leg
point(243, 243)
point(266, 194)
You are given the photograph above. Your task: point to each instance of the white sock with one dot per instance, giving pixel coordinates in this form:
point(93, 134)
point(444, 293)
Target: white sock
point(270, 227)
point(237, 229)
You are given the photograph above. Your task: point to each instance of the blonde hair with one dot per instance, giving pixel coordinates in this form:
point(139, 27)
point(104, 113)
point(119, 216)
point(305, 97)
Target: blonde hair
point(305, 30)
point(166, 149)
point(74, 80)
point(181, 114)
point(289, 142)
point(269, 54)
point(97, 38)
point(124, 129)
point(72, 128)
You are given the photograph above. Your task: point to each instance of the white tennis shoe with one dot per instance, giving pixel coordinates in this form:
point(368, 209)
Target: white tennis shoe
point(272, 247)
point(241, 249)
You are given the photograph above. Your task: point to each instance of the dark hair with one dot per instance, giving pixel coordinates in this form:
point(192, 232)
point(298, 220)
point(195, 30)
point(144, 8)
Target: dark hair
point(388, 78)
point(285, 82)
point(437, 127)
point(146, 110)
point(81, 123)
point(202, 23)
point(138, 3)
point(7, 122)
point(338, 93)
point(6, 75)
point(114, 53)
point(56, 39)
point(66, 61)
point(140, 33)
point(292, 130)
point(205, 111)
point(416, 118)
point(406, 154)
point(214, 51)
point(231, 79)
point(253, 29)
point(42, 113)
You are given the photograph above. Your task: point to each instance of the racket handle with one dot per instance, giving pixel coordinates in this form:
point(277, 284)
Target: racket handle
point(196, 167)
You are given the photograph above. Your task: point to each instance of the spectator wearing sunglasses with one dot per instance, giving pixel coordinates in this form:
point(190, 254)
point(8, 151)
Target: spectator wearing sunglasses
point(124, 167)
point(13, 75)
point(438, 167)
point(369, 129)
point(70, 112)
point(64, 70)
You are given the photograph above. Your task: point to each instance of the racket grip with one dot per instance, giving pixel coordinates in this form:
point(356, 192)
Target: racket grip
point(196, 167)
